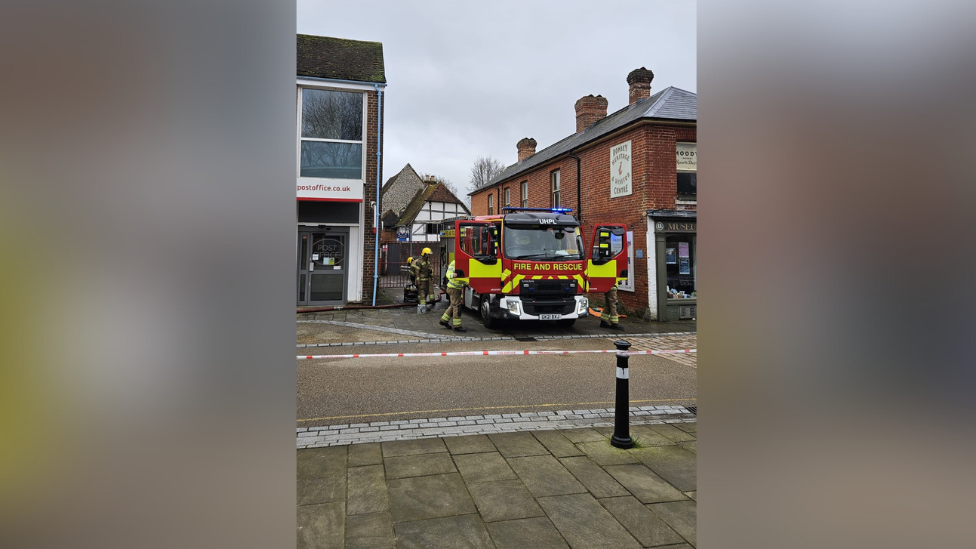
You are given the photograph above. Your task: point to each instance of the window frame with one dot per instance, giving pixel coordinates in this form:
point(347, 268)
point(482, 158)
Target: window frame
point(524, 194)
point(508, 196)
point(555, 192)
point(684, 198)
point(299, 138)
point(490, 204)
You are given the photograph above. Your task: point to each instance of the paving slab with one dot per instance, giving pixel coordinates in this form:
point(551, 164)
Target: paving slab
point(374, 530)
point(419, 465)
point(366, 491)
point(545, 476)
point(321, 525)
point(537, 533)
point(469, 444)
point(321, 462)
point(411, 447)
point(605, 454)
point(648, 528)
point(321, 490)
point(465, 531)
point(518, 444)
point(671, 432)
point(483, 467)
point(593, 477)
point(691, 446)
point(503, 500)
point(583, 435)
point(682, 516)
point(421, 498)
point(644, 484)
point(584, 523)
point(673, 463)
point(365, 454)
point(691, 427)
point(692, 495)
point(557, 444)
point(649, 437)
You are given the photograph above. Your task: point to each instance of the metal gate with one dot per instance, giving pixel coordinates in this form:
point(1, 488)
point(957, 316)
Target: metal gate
point(394, 270)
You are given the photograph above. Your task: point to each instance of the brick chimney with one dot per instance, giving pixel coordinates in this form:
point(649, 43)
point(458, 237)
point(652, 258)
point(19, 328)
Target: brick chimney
point(526, 148)
point(589, 109)
point(640, 84)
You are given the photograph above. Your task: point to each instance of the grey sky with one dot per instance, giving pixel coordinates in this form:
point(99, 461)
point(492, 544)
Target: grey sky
point(470, 79)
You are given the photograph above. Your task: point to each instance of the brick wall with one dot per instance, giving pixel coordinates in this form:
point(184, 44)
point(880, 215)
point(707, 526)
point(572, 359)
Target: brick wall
point(655, 186)
point(372, 168)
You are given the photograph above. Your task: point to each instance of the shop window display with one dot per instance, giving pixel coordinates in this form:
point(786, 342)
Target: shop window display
point(681, 262)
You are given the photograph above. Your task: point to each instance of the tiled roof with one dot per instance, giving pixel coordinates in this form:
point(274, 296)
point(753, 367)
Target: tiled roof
point(433, 193)
point(668, 104)
point(340, 59)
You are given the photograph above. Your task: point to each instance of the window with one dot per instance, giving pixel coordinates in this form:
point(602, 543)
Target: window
point(525, 194)
point(491, 204)
point(687, 160)
point(680, 259)
point(508, 196)
point(432, 228)
point(554, 181)
point(332, 134)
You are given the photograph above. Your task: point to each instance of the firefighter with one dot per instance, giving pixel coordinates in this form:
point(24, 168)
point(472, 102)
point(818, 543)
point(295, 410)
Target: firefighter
point(454, 289)
point(423, 271)
point(610, 311)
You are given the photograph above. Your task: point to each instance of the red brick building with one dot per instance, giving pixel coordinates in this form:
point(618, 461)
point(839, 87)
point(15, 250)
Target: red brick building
point(635, 166)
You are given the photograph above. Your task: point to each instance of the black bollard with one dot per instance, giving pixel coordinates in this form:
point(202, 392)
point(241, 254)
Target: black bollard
point(621, 423)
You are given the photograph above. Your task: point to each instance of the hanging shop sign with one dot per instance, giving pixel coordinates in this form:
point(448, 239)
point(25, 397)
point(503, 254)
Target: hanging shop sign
point(329, 190)
point(402, 234)
point(621, 183)
point(687, 156)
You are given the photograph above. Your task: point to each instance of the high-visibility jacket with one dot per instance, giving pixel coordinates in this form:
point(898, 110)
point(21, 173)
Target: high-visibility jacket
point(451, 281)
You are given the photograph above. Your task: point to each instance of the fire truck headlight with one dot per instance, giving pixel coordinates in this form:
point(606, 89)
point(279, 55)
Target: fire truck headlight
point(515, 308)
point(583, 306)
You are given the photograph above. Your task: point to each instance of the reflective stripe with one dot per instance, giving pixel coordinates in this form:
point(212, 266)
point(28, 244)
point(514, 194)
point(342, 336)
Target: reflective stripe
point(623, 373)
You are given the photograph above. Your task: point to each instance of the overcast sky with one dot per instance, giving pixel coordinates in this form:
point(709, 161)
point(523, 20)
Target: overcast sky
point(469, 79)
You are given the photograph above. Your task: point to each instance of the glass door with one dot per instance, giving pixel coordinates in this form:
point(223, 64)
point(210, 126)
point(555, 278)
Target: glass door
point(322, 266)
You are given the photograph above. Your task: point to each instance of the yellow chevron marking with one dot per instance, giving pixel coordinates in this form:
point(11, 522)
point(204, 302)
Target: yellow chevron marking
point(537, 277)
point(505, 274)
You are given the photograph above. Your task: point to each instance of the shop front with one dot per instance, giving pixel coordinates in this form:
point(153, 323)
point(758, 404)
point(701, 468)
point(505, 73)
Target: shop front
point(673, 267)
point(330, 258)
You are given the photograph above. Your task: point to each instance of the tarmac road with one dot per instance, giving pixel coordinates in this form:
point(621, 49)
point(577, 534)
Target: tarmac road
point(336, 391)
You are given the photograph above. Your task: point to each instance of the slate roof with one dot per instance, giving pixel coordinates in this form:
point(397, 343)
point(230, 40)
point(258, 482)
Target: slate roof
point(668, 104)
point(340, 59)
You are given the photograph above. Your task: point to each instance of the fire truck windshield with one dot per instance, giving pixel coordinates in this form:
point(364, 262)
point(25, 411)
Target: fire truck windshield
point(538, 242)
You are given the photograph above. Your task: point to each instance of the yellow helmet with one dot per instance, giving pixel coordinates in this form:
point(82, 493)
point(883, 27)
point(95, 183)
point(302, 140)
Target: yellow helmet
point(409, 260)
point(425, 251)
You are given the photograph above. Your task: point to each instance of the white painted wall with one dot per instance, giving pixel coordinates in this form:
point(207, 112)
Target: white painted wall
point(354, 284)
point(651, 268)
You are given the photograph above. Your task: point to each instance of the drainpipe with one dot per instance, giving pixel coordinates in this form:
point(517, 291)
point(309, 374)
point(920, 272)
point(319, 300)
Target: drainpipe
point(579, 211)
point(376, 205)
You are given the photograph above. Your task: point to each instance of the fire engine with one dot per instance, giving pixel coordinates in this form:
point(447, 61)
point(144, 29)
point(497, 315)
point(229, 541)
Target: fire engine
point(532, 263)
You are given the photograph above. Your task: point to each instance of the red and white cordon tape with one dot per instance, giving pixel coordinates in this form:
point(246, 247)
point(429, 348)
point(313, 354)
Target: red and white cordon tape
point(496, 353)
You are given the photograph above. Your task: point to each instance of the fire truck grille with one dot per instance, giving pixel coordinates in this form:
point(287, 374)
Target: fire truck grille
point(548, 306)
point(548, 288)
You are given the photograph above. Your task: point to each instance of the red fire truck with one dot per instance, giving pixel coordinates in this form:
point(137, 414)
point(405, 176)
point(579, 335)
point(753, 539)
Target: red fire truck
point(532, 263)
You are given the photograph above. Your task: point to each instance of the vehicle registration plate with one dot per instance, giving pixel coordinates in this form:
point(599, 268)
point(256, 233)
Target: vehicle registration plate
point(550, 317)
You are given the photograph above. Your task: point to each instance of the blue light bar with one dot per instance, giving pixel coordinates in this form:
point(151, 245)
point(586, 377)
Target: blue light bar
point(554, 210)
